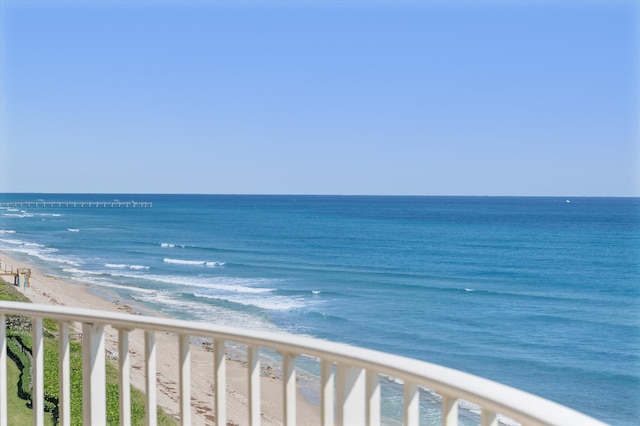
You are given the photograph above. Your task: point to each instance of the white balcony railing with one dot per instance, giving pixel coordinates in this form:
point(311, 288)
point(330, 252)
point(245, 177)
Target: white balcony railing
point(350, 386)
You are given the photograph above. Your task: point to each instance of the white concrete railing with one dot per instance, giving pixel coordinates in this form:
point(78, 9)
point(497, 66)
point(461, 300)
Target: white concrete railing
point(350, 387)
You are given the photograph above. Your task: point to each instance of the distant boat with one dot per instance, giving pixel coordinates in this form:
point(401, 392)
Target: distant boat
point(567, 201)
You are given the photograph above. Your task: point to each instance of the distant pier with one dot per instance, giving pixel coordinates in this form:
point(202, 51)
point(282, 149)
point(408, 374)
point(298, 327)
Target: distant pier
point(77, 204)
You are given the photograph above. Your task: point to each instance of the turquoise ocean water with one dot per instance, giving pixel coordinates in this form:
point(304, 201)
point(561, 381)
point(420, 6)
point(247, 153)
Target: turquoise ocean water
point(541, 294)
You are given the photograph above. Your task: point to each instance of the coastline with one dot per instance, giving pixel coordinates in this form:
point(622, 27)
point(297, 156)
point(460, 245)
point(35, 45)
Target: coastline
point(49, 289)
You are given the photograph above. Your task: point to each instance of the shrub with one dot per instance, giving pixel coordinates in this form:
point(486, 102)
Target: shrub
point(19, 348)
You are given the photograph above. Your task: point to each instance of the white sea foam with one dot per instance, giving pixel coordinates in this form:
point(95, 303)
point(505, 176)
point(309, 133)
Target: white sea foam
point(211, 264)
point(184, 262)
point(21, 214)
point(207, 312)
point(25, 250)
point(100, 280)
point(123, 287)
point(11, 241)
point(477, 410)
point(469, 406)
point(73, 230)
point(273, 303)
point(57, 259)
point(227, 284)
point(38, 245)
point(24, 244)
point(124, 266)
point(234, 286)
point(76, 271)
point(36, 250)
point(171, 245)
point(138, 267)
point(7, 231)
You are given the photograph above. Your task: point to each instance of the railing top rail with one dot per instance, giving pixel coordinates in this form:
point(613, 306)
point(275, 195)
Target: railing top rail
point(519, 405)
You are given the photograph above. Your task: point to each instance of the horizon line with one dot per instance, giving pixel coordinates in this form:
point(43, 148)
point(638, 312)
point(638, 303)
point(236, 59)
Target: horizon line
point(329, 195)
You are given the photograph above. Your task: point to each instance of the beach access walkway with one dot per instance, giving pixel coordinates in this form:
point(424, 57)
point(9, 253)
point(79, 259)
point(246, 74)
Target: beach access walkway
point(20, 276)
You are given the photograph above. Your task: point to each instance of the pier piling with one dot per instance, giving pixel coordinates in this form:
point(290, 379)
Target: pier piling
point(74, 204)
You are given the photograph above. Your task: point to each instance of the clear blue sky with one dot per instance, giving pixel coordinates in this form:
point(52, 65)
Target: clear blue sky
point(425, 98)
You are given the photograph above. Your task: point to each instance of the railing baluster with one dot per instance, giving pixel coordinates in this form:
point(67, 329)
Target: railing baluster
point(411, 404)
point(150, 372)
point(373, 398)
point(328, 392)
point(488, 418)
point(94, 395)
point(37, 364)
point(351, 382)
point(254, 385)
point(64, 374)
point(124, 377)
point(449, 411)
point(3, 371)
point(289, 389)
point(185, 380)
point(220, 382)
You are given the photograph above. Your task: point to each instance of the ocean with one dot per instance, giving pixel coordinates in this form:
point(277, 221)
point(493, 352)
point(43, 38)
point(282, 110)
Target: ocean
point(539, 293)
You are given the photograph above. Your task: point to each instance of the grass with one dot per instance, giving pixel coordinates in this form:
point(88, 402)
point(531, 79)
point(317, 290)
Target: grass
point(20, 341)
point(18, 411)
point(10, 293)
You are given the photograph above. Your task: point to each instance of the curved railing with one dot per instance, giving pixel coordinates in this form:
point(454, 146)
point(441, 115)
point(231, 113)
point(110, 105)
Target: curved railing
point(350, 386)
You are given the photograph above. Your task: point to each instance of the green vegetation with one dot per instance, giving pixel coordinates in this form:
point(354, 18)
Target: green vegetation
point(9, 292)
point(19, 344)
point(17, 407)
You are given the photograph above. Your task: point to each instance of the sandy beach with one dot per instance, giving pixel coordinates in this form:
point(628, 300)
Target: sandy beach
point(48, 289)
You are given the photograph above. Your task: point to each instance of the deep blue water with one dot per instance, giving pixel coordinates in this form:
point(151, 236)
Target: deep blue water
point(539, 293)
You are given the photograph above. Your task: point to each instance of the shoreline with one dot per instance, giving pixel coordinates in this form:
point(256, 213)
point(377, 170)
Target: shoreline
point(48, 289)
